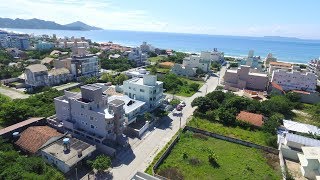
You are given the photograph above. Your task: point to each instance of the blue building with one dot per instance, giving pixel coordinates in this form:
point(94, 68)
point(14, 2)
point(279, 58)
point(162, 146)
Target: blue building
point(41, 45)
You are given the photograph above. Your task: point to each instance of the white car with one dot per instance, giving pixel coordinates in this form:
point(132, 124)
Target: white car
point(182, 103)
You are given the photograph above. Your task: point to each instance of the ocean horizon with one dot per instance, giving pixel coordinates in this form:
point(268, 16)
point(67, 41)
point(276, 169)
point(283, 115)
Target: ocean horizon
point(285, 49)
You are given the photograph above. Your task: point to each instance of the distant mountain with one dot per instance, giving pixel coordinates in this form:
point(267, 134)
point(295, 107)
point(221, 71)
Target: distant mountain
point(82, 25)
point(39, 24)
point(281, 38)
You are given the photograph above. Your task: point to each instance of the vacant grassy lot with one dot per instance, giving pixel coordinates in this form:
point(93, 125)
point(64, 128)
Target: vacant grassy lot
point(257, 137)
point(306, 114)
point(189, 160)
point(156, 59)
point(185, 89)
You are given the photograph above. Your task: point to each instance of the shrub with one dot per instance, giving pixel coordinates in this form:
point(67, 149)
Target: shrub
point(213, 160)
point(194, 161)
point(185, 155)
point(171, 173)
point(272, 141)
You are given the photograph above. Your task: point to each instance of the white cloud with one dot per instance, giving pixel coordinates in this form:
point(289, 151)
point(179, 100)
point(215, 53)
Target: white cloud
point(99, 13)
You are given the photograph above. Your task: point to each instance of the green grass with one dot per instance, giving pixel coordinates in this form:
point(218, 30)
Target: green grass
point(149, 169)
point(156, 59)
point(75, 89)
point(307, 117)
point(184, 91)
point(235, 161)
point(160, 70)
point(257, 137)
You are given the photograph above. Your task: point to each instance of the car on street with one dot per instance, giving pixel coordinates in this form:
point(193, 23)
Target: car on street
point(179, 107)
point(182, 103)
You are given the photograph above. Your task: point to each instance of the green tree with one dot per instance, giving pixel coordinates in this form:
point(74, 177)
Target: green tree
point(106, 77)
point(204, 104)
point(194, 87)
point(101, 163)
point(147, 116)
point(153, 70)
point(120, 78)
point(219, 96)
point(271, 124)
point(226, 116)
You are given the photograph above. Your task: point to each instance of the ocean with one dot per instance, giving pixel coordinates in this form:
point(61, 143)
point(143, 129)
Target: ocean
point(285, 49)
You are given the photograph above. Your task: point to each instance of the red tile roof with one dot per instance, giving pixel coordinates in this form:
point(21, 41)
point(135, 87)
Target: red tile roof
point(252, 118)
point(277, 86)
point(300, 92)
point(34, 137)
point(281, 64)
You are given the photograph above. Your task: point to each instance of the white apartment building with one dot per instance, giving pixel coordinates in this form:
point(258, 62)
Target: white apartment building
point(195, 61)
point(214, 55)
point(295, 80)
point(146, 89)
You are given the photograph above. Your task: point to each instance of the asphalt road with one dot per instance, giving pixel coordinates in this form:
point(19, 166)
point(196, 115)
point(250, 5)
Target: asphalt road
point(144, 151)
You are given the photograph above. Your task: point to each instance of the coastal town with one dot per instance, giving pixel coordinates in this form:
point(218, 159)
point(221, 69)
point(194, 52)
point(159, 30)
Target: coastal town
point(72, 108)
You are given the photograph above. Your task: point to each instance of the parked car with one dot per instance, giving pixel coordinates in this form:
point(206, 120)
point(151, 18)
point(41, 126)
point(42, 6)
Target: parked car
point(179, 107)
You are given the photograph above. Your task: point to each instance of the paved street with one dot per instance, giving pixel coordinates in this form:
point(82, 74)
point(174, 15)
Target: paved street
point(143, 151)
point(12, 93)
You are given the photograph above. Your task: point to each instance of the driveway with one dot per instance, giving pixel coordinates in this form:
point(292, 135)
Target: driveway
point(12, 93)
point(143, 152)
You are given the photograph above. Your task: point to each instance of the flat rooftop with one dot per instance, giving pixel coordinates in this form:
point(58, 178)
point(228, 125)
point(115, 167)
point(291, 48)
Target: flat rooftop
point(139, 81)
point(91, 87)
point(130, 104)
point(70, 158)
point(311, 152)
point(116, 102)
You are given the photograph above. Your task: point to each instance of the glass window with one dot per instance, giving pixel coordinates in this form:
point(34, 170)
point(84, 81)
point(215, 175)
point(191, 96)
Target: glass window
point(92, 126)
point(82, 106)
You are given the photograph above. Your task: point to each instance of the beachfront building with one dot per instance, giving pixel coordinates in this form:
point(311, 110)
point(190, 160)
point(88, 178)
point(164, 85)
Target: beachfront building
point(279, 65)
point(213, 56)
point(310, 162)
point(242, 78)
point(137, 73)
point(252, 61)
point(202, 62)
point(91, 115)
point(137, 56)
point(145, 48)
point(12, 40)
point(269, 59)
point(295, 80)
point(181, 70)
point(146, 89)
point(314, 66)
point(71, 44)
point(42, 46)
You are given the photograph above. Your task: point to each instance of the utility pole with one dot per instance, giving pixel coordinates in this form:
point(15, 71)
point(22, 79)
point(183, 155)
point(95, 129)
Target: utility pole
point(180, 119)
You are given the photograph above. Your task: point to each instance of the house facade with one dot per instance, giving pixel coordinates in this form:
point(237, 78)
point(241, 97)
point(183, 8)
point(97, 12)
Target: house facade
point(195, 61)
point(310, 162)
point(146, 89)
point(242, 78)
point(295, 80)
point(181, 70)
point(90, 114)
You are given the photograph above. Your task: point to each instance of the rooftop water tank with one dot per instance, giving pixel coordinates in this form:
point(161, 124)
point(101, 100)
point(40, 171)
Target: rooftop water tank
point(66, 144)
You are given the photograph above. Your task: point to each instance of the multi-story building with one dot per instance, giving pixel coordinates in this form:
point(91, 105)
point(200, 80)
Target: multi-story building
point(269, 59)
point(91, 115)
point(279, 65)
point(145, 48)
point(242, 78)
point(295, 80)
point(11, 40)
point(252, 61)
point(37, 75)
point(195, 61)
point(146, 89)
point(214, 56)
point(42, 45)
point(181, 70)
point(137, 56)
point(314, 66)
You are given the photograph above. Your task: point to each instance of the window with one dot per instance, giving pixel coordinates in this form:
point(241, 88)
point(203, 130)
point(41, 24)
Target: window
point(82, 106)
point(129, 87)
point(141, 90)
point(92, 126)
point(90, 108)
point(91, 118)
point(109, 132)
point(150, 99)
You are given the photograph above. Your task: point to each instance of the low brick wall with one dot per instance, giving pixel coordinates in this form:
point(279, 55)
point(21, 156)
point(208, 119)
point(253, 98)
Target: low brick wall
point(234, 140)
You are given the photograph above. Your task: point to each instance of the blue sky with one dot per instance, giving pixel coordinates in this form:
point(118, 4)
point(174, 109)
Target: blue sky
point(293, 18)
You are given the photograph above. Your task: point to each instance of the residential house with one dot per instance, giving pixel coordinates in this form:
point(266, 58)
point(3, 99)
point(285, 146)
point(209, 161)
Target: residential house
point(90, 115)
point(251, 118)
point(214, 56)
point(252, 61)
point(137, 56)
point(199, 62)
point(34, 138)
point(36, 75)
point(132, 107)
point(295, 80)
point(16, 53)
point(114, 56)
point(47, 61)
point(145, 48)
point(66, 153)
point(242, 78)
point(181, 70)
point(310, 162)
point(146, 89)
